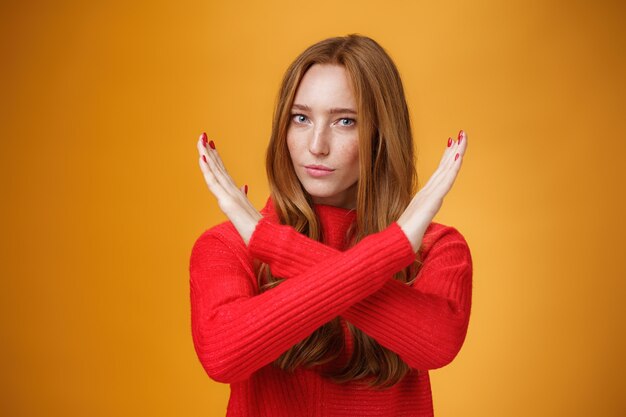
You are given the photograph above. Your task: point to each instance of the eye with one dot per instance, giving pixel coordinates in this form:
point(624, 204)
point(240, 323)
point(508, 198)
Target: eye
point(299, 118)
point(346, 121)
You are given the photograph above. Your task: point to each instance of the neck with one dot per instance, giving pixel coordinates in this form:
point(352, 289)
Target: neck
point(334, 222)
point(346, 200)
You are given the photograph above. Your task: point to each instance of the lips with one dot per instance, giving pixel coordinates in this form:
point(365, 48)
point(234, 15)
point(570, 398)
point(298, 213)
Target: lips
point(319, 167)
point(318, 170)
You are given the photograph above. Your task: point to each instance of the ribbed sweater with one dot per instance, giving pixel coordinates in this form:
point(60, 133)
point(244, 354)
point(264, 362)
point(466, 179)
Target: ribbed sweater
point(238, 332)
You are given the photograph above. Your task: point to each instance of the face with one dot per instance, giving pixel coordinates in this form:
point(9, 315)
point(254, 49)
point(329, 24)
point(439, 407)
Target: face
point(323, 137)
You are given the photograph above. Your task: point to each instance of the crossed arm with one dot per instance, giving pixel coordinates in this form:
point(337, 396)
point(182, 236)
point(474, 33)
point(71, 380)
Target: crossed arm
point(236, 332)
point(425, 324)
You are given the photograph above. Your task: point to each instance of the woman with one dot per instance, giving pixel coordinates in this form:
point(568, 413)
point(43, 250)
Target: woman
point(340, 295)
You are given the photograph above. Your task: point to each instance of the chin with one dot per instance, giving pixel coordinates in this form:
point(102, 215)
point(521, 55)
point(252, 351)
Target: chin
point(321, 196)
point(317, 193)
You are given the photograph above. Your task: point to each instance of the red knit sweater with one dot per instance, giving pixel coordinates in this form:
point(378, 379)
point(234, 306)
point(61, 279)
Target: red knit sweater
point(238, 333)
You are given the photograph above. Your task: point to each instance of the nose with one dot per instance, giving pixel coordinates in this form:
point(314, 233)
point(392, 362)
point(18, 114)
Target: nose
point(319, 144)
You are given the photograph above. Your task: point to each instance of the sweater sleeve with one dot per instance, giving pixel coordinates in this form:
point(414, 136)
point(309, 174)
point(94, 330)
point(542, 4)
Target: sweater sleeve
point(426, 323)
point(236, 331)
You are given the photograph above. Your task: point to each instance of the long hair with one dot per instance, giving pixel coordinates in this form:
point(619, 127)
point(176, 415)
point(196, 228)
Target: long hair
point(387, 181)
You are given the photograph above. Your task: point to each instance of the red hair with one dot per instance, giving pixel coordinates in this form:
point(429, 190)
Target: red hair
point(387, 183)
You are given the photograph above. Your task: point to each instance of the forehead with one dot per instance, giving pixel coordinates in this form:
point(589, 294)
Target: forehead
point(326, 85)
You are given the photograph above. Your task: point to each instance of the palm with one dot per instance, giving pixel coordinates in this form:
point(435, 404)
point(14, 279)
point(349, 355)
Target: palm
point(231, 199)
point(427, 202)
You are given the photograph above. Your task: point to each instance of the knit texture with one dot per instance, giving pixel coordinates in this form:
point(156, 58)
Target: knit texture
point(238, 333)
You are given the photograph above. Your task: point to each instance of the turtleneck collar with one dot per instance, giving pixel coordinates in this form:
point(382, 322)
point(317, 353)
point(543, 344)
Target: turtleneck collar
point(334, 222)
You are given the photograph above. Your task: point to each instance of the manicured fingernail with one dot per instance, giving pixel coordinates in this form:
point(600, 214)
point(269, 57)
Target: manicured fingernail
point(246, 189)
point(449, 142)
point(461, 134)
point(456, 157)
point(212, 145)
point(203, 138)
point(204, 158)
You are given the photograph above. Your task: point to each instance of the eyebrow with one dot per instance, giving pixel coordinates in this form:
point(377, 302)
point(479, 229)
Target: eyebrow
point(334, 110)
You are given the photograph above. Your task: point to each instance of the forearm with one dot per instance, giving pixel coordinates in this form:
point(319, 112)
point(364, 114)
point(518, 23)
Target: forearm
point(243, 332)
point(426, 330)
point(426, 325)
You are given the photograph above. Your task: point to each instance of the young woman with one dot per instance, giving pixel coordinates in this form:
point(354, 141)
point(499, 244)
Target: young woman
point(339, 296)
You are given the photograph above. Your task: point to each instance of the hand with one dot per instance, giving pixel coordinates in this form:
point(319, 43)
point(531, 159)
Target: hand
point(427, 202)
point(231, 200)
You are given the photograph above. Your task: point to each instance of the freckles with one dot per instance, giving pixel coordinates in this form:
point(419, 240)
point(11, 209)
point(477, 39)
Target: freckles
point(351, 150)
point(291, 152)
point(351, 155)
point(290, 143)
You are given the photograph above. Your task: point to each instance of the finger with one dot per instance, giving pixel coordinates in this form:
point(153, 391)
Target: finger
point(213, 162)
point(448, 162)
point(208, 171)
point(210, 179)
point(212, 183)
point(211, 149)
point(463, 145)
point(453, 161)
point(452, 167)
point(219, 169)
point(209, 145)
point(459, 151)
point(232, 200)
point(220, 175)
point(450, 149)
point(453, 148)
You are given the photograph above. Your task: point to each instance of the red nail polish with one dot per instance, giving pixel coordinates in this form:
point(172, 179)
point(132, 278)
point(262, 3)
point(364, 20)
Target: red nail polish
point(203, 139)
point(212, 145)
point(449, 142)
point(246, 189)
point(456, 157)
point(461, 134)
point(204, 158)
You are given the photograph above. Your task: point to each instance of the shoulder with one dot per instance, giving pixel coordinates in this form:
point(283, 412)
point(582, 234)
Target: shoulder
point(440, 239)
point(437, 231)
point(220, 242)
point(223, 238)
point(224, 232)
point(446, 266)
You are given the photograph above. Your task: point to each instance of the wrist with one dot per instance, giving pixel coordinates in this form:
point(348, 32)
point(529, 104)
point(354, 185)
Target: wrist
point(413, 234)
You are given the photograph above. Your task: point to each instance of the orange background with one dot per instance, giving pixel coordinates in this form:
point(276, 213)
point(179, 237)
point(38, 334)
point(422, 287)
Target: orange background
point(102, 104)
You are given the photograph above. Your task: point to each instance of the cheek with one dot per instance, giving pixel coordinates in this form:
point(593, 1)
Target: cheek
point(297, 146)
point(291, 146)
point(352, 156)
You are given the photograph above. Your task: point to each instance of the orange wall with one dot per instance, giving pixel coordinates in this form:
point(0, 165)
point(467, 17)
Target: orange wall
point(102, 104)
